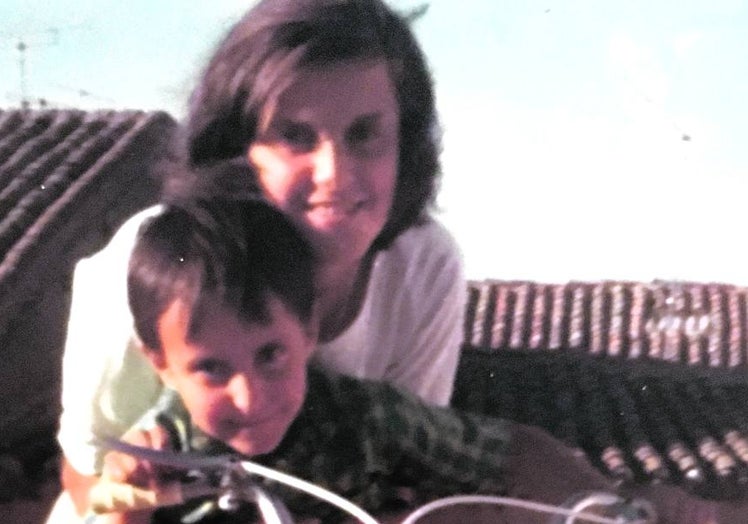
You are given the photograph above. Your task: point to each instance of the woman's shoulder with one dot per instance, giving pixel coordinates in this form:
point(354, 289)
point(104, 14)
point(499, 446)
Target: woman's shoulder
point(422, 250)
point(427, 237)
point(119, 246)
point(127, 232)
point(424, 256)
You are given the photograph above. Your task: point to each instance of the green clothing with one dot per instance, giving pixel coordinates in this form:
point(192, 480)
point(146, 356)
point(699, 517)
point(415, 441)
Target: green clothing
point(363, 440)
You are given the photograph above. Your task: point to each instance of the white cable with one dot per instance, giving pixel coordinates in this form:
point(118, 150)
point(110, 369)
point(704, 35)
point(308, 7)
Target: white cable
point(312, 489)
point(308, 487)
point(594, 499)
point(267, 509)
point(194, 461)
point(503, 501)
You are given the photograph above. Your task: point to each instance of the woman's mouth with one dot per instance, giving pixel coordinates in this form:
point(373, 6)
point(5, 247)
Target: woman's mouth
point(332, 211)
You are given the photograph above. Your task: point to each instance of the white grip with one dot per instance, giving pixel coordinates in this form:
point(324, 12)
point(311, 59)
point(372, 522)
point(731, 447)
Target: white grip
point(115, 497)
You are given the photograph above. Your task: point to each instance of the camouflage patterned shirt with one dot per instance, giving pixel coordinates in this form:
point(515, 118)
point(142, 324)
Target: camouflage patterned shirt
point(366, 441)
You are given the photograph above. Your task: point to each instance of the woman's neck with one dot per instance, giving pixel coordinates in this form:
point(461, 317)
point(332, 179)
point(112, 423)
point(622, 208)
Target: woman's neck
point(340, 295)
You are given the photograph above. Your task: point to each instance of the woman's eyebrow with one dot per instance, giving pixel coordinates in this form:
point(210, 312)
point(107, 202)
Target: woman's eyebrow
point(380, 115)
point(369, 117)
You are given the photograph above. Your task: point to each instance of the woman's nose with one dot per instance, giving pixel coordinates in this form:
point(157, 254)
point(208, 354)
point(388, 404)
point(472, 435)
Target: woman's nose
point(332, 164)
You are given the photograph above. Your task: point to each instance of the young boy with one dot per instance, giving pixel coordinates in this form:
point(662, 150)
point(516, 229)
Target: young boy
point(223, 301)
point(222, 296)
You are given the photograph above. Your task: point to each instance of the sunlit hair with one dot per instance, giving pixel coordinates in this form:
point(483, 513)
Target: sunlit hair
point(239, 252)
point(265, 51)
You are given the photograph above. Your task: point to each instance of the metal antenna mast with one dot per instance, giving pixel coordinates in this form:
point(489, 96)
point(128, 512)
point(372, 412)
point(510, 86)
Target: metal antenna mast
point(46, 38)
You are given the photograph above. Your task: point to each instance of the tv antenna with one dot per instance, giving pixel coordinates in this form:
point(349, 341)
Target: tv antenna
point(22, 43)
point(82, 93)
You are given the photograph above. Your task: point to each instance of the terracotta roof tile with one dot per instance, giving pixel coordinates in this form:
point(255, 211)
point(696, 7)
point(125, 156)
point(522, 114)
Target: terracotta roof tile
point(68, 179)
point(649, 379)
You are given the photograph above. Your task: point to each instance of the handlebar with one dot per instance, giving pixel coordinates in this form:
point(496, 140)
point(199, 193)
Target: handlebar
point(237, 474)
point(109, 496)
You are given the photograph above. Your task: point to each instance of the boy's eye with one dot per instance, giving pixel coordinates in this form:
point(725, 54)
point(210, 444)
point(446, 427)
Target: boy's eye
point(213, 370)
point(272, 357)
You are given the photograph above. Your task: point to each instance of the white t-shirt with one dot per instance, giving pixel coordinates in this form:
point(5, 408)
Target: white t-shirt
point(408, 333)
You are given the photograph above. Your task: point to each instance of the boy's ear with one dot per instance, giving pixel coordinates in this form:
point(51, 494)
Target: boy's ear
point(157, 359)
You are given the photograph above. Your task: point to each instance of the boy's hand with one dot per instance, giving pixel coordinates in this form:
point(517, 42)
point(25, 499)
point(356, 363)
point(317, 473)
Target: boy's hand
point(126, 469)
point(123, 468)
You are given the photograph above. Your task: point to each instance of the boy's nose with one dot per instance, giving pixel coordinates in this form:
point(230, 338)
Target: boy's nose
point(246, 393)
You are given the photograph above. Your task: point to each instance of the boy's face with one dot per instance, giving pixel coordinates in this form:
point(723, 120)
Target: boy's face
point(242, 383)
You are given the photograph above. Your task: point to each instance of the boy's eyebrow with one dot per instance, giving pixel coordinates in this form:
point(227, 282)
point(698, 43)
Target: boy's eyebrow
point(200, 358)
point(268, 346)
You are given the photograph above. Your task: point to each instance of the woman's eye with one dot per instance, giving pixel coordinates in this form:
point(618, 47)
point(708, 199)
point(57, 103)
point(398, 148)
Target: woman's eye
point(362, 132)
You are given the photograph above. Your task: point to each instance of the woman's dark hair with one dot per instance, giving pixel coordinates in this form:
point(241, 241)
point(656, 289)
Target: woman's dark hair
point(238, 251)
point(266, 49)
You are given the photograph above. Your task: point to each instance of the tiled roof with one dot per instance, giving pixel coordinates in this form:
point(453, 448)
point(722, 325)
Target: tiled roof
point(650, 380)
point(68, 179)
point(691, 322)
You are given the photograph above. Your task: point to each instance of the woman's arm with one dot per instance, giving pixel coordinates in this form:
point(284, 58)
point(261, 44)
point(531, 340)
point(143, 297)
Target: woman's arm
point(106, 383)
point(78, 486)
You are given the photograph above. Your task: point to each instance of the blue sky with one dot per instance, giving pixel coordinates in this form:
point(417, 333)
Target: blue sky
point(564, 153)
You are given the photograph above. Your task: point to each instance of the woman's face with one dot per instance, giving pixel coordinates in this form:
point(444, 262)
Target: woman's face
point(326, 154)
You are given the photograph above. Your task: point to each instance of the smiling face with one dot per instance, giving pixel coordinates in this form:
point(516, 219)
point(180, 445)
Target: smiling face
point(241, 383)
point(327, 152)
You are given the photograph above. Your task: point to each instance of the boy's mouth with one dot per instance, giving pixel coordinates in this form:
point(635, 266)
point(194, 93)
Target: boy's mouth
point(254, 423)
point(254, 438)
point(249, 423)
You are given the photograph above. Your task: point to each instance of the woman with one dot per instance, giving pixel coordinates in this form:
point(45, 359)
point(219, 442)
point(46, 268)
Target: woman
point(332, 104)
